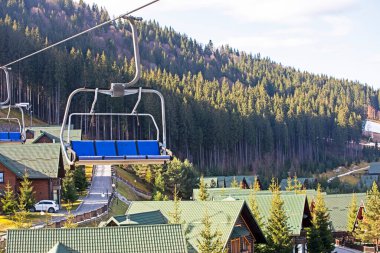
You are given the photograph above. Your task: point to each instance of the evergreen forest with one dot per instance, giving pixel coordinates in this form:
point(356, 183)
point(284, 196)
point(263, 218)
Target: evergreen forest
point(227, 111)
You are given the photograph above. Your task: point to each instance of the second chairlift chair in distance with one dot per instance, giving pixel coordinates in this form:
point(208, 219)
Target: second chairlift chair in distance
point(11, 136)
point(108, 152)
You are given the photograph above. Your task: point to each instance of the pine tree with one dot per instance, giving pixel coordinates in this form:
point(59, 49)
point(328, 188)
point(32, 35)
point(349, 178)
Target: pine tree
point(256, 185)
point(289, 186)
point(352, 213)
point(80, 179)
point(274, 187)
point(70, 220)
point(319, 236)
point(202, 194)
point(277, 231)
point(69, 192)
point(297, 185)
point(209, 242)
point(9, 203)
point(175, 216)
point(234, 183)
point(26, 196)
point(255, 208)
point(159, 188)
point(368, 229)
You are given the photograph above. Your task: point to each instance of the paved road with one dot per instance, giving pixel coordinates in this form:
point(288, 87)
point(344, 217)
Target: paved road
point(347, 173)
point(101, 184)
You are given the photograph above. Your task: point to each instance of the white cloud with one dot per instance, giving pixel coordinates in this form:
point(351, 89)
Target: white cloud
point(339, 25)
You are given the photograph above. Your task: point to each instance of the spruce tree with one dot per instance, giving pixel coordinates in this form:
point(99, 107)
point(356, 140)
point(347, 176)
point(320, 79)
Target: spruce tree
point(255, 208)
point(274, 187)
point(289, 184)
point(9, 203)
point(352, 213)
point(80, 179)
point(368, 229)
point(202, 194)
point(209, 242)
point(175, 216)
point(256, 185)
point(278, 233)
point(159, 188)
point(234, 183)
point(320, 237)
point(69, 192)
point(26, 196)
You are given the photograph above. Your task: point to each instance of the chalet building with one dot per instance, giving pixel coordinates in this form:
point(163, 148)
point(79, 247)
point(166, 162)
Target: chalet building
point(338, 206)
point(244, 182)
point(49, 134)
point(234, 220)
point(307, 183)
point(296, 207)
point(42, 162)
point(168, 238)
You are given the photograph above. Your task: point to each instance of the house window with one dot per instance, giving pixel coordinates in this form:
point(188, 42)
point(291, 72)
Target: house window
point(1, 177)
point(246, 245)
point(235, 245)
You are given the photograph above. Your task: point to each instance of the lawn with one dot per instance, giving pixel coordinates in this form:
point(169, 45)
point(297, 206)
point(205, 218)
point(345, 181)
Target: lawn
point(117, 208)
point(6, 222)
point(126, 192)
point(133, 179)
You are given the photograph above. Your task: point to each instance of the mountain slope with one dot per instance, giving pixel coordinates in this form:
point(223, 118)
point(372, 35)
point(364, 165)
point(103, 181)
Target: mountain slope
point(226, 110)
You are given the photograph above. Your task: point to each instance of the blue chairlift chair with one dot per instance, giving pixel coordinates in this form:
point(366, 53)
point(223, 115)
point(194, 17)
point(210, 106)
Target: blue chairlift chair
point(108, 152)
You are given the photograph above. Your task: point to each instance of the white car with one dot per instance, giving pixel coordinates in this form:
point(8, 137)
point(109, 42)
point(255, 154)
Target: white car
point(46, 206)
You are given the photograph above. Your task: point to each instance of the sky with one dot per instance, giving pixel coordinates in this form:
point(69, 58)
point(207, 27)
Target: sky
point(339, 38)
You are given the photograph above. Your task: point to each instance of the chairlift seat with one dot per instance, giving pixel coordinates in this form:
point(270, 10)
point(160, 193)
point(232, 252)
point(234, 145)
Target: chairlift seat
point(148, 147)
point(120, 151)
point(15, 136)
point(10, 137)
point(4, 136)
point(105, 148)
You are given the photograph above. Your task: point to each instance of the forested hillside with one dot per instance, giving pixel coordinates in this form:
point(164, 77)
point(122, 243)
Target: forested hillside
point(227, 110)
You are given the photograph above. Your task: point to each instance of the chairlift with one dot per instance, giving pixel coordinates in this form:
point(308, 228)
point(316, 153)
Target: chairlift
point(13, 136)
point(106, 152)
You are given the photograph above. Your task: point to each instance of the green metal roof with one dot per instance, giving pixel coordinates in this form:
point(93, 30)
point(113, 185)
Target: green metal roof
point(367, 180)
point(221, 193)
point(40, 160)
point(130, 239)
point(338, 206)
point(53, 132)
point(145, 218)
point(223, 216)
point(374, 168)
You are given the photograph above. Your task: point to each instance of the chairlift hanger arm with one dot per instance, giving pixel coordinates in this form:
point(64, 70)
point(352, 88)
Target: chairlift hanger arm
point(7, 101)
point(125, 16)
